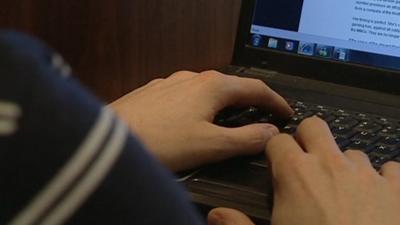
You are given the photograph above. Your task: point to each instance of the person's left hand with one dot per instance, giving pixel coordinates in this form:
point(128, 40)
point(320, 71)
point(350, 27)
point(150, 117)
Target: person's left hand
point(174, 117)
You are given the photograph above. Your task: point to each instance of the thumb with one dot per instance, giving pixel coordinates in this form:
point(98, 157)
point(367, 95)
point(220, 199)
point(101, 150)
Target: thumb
point(250, 139)
point(224, 216)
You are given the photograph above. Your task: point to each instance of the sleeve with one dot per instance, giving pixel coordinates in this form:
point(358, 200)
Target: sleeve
point(65, 158)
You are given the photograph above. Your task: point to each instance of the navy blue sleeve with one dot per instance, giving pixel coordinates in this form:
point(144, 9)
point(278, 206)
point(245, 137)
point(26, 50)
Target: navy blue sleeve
point(65, 158)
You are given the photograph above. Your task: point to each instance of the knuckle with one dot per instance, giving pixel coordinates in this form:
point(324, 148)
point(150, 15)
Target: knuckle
point(210, 72)
point(211, 75)
point(310, 122)
point(179, 74)
point(156, 81)
point(212, 78)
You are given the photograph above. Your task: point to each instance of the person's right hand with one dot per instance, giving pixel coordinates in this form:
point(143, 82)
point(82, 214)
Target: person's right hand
point(316, 184)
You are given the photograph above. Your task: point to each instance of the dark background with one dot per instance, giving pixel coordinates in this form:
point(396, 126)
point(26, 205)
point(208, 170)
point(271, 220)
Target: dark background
point(283, 14)
point(115, 46)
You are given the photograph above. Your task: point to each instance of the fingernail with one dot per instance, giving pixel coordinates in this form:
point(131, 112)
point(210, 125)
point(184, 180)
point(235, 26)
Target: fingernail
point(272, 129)
point(214, 219)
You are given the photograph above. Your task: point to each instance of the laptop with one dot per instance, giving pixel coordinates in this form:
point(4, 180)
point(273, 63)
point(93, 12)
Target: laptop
point(339, 60)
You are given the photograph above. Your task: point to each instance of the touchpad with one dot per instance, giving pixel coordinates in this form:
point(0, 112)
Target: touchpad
point(239, 175)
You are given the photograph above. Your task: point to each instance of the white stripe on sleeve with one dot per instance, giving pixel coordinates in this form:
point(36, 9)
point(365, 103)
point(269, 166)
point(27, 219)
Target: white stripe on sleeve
point(91, 180)
point(71, 170)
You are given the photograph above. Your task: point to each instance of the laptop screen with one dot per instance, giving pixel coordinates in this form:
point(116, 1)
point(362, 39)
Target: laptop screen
point(355, 31)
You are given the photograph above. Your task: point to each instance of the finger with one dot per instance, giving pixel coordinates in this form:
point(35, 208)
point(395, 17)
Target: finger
point(359, 158)
point(246, 140)
point(246, 91)
point(280, 148)
point(314, 135)
point(391, 171)
point(252, 91)
point(224, 216)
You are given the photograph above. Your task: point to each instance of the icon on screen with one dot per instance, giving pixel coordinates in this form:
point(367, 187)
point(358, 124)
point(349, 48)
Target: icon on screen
point(256, 40)
point(324, 51)
point(306, 48)
point(273, 43)
point(289, 45)
point(341, 54)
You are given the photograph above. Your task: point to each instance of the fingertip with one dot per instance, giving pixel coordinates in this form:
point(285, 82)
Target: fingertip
point(289, 112)
point(310, 123)
point(267, 132)
point(214, 217)
point(247, 140)
point(315, 120)
point(271, 129)
point(261, 134)
point(315, 136)
point(225, 216)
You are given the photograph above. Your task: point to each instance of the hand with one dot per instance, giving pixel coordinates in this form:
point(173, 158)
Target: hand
point(316, 184)
point(173, 117)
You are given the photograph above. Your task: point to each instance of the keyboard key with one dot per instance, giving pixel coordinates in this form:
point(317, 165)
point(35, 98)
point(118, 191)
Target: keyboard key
point(326, 116)
point(344, 132)
point(231, 117)
point(364, 146)
point(342, 142)
point(296, 120)
point(341, 112)
point(397, 159)
point(390, 131)
point(389, 151)
point(377, 160)
point(319, 108)
point(323, 109)
point(384, 121)
point(342, 121)
point(299, 109)
point(367, 136)
point(300, 116)
point(304, 115)
point(369, 127)
point(391, 141)
point(377, 136)
point(289, 129)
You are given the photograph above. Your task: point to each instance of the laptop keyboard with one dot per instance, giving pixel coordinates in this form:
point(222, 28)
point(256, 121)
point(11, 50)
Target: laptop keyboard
point(377, 136)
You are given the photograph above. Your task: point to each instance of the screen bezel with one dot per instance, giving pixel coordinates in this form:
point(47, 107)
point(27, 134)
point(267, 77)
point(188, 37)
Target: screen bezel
point(383, 80)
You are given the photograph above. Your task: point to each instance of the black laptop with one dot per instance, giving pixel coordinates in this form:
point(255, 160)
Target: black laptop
point(339, 60)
